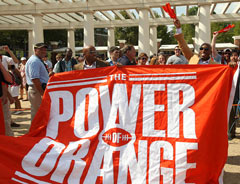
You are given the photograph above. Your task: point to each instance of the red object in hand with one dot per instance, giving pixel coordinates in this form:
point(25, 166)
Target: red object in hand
point(226, 29)
point(170, 11)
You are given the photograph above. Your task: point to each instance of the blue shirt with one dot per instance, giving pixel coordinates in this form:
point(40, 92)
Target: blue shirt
point(125, 61)
point(68, 65)
point(218, 59)
point(35, 69)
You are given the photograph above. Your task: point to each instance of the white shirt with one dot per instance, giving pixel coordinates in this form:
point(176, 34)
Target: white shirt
point(48, 63)
point(201, 62)
point(7, 61)
point(86, 67)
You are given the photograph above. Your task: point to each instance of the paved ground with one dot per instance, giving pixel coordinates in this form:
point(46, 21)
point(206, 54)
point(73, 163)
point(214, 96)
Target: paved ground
point(231, 169)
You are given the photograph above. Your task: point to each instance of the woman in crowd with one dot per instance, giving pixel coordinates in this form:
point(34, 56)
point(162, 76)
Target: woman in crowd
point(159, 60)
point(142, 59)
point(24, 82)
point(14, 89)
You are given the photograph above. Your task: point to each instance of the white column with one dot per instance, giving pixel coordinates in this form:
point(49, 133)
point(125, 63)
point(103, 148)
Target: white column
point(204, 24)
point(111, 38)
point(30, 43)
point(37, 28)
point(88, 28)
point(71, 40)
point(196, 41)
point(153, 39)
point(143, 32)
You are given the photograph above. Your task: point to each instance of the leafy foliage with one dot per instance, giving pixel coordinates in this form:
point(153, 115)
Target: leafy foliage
point(189, 29)
point(225, 37)
point(14, 39)
point(130, 34)
point(56, 35)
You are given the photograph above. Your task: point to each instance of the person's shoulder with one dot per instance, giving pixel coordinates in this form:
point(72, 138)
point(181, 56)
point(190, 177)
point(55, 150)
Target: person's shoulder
point(102, 63)
point(183, 57)
point(33, 58)
point(124, 60)
point(78, 66)
point(74, 61)
point(171, 57)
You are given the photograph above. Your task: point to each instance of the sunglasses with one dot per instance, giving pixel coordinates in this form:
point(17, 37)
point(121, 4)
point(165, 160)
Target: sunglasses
point(227, 53)
point(143, 58)
point(177, 49)
point(206, 49)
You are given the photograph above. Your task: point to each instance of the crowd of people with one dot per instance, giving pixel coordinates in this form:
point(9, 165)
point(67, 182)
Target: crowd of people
point(31, 75)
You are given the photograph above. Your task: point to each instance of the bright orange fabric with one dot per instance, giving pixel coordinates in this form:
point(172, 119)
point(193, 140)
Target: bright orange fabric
point(132, 124)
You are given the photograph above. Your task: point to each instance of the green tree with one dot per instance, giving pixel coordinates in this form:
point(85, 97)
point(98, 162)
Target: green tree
point(130, 34)
point(56, 35)
point(189, 29)
point(14, 39)
point(236, 29)
point(167, 37)
point(162, 32)
point(225, 37)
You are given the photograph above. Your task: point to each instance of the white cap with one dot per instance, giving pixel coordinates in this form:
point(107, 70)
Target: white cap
point(23, 58)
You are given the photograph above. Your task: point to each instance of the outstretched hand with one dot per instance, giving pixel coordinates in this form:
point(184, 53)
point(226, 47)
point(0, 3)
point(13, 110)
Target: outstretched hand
point(177, 23)
point(215, 34)
point(232, 64)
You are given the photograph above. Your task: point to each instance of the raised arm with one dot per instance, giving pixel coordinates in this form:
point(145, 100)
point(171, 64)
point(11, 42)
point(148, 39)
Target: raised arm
point(213, 44)
point(15, 59)
point(187, 52)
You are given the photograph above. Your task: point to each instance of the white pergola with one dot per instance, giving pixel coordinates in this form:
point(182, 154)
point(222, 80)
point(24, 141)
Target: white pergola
point(37, 15)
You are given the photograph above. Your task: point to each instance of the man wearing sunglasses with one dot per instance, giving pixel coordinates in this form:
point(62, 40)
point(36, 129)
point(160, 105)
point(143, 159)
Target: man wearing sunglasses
point(205, 50)
point(90, 60)
point(177, 58)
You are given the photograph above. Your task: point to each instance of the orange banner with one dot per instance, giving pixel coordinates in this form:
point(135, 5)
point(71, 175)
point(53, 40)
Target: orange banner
point(132, 124)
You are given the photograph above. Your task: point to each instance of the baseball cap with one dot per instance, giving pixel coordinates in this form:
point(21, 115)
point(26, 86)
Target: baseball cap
point(23, 58)
point(227, 50)
point(40, 45)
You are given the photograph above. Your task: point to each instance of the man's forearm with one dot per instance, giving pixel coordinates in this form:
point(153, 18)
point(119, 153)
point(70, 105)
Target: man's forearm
point(213, 44)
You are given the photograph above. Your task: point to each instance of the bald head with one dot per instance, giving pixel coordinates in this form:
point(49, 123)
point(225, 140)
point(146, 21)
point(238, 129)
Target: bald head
point(87, 49)
point(89, 53)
